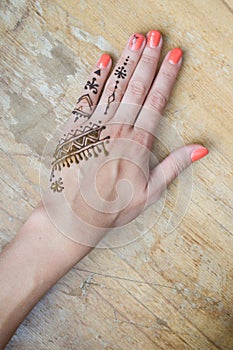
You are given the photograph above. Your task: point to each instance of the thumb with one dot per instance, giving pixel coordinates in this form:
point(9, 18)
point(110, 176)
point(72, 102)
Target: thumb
point(164, 173)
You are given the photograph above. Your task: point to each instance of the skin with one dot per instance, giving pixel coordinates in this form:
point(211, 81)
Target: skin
point(98, 197)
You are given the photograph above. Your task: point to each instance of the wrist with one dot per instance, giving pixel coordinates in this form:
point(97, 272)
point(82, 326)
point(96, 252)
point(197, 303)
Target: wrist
point(58, 253)
point(30, 265)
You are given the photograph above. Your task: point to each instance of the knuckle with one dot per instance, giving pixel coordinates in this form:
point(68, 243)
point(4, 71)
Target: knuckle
point(122, 62)
point(158, 101)
point(111, 88)
point(117, 132)
point(177, 166)
point(139, 136)
point(148, 59)
point(169, 74)
point(130, 62)
point(137, 87)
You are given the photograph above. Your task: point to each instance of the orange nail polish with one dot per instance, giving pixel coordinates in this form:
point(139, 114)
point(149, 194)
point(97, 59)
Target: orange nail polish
point(104, 61)
point(199, 153)
point(153, 38)
point(136, 42)
point(175, 55)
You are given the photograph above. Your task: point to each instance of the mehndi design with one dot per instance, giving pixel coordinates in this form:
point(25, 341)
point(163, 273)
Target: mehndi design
point(56, 186)
point(98, 72)
point(77, 145)
point(120, 73)
point(84, 104)
point(79, 112)
point(92, 85)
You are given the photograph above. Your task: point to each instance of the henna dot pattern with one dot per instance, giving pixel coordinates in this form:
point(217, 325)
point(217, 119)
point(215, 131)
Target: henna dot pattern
point(76, 146)
point(120, 73)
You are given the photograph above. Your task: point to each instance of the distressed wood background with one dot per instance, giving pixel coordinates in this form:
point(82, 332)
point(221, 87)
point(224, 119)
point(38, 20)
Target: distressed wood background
point(165, 290)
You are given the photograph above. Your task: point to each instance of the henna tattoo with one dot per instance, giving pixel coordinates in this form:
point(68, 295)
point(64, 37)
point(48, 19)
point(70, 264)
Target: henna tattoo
point(98, 72)
point(56, 186)
point(77, 145)
point(79, 112)
point(92, 85)
point(112, 97)
point(85, 101)
point(120, 73)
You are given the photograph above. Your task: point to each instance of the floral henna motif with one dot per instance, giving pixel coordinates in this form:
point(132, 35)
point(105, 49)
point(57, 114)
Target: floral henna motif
point(92, 85)
point(120, 73)
point(56, 186)
point(78, 145)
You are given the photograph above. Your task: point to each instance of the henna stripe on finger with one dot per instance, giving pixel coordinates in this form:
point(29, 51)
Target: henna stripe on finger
point(79, 112)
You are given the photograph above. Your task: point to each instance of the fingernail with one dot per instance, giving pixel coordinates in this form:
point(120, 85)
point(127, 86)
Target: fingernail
point(104, 61)
point(199, 153)
point(153, 38)
point(175, 55)
point(136, 42)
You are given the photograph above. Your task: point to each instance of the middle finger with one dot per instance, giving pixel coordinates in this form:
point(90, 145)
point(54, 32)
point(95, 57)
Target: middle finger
point(118, 80)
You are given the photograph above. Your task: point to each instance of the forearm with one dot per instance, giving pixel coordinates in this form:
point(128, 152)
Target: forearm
point(30, 265)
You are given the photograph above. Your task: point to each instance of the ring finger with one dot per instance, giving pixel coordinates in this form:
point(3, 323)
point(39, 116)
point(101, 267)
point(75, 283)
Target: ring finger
point(159, 94)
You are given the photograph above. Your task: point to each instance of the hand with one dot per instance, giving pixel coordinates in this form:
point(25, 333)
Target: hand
point(110, 137)
point(101, 176)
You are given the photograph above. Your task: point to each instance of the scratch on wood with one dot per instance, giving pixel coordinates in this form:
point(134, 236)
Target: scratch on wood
point(159, 326)
point(127, 279)
point(21, 20)
point(85, 284)
point(227, 6)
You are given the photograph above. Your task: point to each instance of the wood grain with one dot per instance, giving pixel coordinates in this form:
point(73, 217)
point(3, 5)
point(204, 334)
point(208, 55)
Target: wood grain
point(163, 291)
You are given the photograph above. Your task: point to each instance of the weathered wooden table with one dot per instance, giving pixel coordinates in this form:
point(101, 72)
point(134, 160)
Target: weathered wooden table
point(165, 290)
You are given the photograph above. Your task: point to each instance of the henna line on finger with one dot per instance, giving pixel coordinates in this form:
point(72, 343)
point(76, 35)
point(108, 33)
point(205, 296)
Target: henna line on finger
point(91, 85)
point(120, 73)
point(78, 111)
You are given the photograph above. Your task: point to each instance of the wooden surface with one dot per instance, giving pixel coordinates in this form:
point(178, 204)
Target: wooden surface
point(164, 291)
